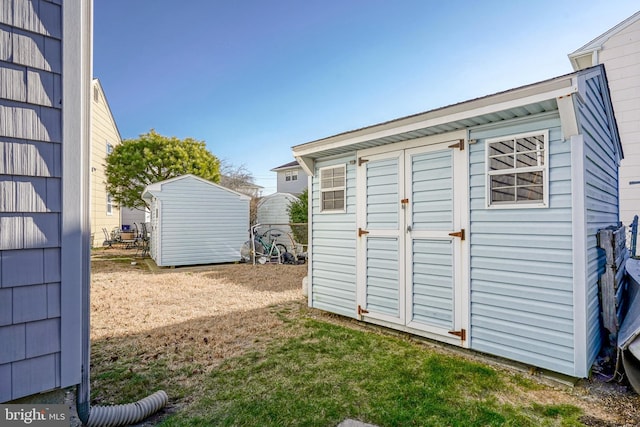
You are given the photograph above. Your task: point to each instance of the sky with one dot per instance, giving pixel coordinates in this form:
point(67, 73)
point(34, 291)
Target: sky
point(252, 78)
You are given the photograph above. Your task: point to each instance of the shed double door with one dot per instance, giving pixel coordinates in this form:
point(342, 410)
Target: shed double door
point(411, 239)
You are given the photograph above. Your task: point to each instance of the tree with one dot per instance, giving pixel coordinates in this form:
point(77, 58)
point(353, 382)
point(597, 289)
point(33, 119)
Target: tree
point(233, 177)
point(299, 216)
point(151, 158)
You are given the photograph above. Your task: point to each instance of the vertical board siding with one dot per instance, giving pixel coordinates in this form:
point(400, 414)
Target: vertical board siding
point(333, 275)
point(30, 192)
point(201, 223)
point(601, 196)
point(521, 261)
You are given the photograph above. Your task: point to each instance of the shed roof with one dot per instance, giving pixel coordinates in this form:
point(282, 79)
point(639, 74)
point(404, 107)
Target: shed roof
point(514, 103)
point(156, 188)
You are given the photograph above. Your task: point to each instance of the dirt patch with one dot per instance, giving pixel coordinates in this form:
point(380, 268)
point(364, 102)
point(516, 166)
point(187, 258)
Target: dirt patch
point(203, 315)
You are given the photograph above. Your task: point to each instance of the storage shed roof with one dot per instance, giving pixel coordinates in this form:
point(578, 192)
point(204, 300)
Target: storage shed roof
point(156, 188)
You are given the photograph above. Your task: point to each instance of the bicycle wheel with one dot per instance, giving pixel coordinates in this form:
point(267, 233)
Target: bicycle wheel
point(282, 249)
point(248, 252)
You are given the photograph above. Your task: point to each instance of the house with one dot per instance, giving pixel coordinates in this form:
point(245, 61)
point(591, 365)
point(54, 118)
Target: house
point(45, 70)
point(194, 221)
point(619, 50)
point(292, 178)
point(104, 137)
point(473, 224)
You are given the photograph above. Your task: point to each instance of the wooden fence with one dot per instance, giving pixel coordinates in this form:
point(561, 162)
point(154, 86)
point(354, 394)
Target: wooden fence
point(613, 280)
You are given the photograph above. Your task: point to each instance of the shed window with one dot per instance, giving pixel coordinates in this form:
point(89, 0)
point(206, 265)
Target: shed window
point(109, 205)
point(332, 189)
point(518, 170)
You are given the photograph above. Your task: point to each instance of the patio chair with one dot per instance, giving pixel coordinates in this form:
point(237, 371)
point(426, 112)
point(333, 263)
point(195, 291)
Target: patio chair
point(142, 243)
point(108, 241)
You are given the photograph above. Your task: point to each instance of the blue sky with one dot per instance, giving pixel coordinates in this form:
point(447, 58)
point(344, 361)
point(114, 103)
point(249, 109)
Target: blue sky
point(253, 78)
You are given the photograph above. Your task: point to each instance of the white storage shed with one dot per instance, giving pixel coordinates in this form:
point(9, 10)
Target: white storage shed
point(473, 224)
point(195, 221)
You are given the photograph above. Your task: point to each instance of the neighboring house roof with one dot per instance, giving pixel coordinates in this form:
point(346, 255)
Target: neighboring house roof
point(286, 166)
point(548, 95)
point(96, 82)
point(156, 188)
point(596, 44)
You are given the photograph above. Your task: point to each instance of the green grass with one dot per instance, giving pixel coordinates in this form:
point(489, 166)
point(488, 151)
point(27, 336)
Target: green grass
point(329, 373)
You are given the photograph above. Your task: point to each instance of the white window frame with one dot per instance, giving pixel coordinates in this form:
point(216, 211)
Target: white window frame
point(543, 168)
point(291, 175)
point(109, 204)
point(343, 187)
point(109, 148)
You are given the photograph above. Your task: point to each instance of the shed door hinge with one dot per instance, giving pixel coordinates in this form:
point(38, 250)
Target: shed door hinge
point(362, 160)
point(361, 310)
point(361, 232)
point(459, 145)
point(462, 333)
point(459, 234)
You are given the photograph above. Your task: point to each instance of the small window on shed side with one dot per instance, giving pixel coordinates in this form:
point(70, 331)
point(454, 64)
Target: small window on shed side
point(332, 189)
point(518, 170)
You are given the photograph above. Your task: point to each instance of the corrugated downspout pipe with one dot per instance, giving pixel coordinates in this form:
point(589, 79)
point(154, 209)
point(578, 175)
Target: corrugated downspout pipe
point(123, 415)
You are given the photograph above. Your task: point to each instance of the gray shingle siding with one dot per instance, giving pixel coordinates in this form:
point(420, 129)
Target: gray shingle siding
point(30, 196)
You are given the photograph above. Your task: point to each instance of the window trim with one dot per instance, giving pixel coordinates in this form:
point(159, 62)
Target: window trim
point(109, 203)
point(544, 203)
point(343, 188)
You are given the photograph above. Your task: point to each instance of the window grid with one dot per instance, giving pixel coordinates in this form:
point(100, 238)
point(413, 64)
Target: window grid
point(332, 188)
point(517, 170)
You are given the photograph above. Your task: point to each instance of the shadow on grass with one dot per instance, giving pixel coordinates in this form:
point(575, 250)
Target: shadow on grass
point(277, 367)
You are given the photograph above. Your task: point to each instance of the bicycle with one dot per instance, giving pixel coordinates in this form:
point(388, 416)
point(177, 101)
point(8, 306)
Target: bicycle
point(261, 249)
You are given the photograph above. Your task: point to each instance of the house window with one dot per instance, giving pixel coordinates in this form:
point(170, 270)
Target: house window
point(291, 176)
point(95, 94)
point(332, 189)
point(518, 170)
point(109, 148)
point(109, 205)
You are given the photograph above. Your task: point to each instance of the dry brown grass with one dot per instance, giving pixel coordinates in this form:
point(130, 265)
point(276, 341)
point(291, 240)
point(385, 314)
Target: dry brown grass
point(198, 317)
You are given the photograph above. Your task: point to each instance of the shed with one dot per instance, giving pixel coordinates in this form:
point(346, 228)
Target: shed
point(473, 224)
point(194, 221)
point(273, 213)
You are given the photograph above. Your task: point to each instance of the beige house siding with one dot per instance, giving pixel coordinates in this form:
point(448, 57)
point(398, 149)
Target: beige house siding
point(619, 51)
point(103, 131)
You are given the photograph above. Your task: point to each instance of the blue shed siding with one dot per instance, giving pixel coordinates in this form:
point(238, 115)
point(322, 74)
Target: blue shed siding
point(521, 261)
point(601, 195)
point(333, 245)
point(200, 223)
point(30, 196)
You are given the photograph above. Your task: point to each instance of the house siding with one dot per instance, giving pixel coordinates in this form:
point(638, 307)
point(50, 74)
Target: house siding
point(333, 268)
point(621, 56)
point(521, 261)
point(601, 194)
point(293, 187)
point(103, 131)
point(30, 196)
point(200, 223)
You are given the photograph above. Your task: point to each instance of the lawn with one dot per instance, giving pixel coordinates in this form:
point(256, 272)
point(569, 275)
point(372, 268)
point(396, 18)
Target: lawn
point(236, 345)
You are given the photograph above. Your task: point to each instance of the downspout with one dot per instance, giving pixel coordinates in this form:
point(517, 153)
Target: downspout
point(106, 416)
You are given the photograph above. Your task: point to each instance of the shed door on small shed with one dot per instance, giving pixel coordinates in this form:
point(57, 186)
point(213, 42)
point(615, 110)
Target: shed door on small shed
point(409, 254)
